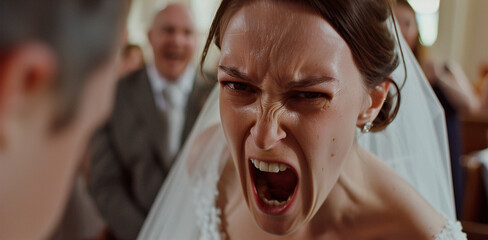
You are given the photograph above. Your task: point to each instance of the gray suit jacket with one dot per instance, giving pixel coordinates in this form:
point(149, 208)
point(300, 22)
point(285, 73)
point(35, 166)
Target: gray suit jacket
point(128, 165)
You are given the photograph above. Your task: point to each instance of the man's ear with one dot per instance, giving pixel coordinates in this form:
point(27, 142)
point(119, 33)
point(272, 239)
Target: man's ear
point(149, 36)
point(25, 71)
point(376, 98)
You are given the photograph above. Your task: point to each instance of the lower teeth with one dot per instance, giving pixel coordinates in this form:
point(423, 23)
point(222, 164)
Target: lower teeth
point(275, 203)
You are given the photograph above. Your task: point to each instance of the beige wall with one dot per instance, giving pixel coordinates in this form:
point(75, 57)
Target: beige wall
point(476, 43)
point(463, 34)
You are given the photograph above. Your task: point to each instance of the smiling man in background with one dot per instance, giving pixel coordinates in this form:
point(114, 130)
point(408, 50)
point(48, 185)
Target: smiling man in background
point(154, 112)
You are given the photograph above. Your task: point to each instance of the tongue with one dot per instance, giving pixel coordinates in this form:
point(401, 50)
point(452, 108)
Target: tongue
point(282, 183)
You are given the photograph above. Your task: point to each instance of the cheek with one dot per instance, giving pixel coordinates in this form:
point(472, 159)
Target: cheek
point(327, 128)
point(327, 145)
point(163, 43)
point(234, 122)
point(191, 44)
point(331, 138)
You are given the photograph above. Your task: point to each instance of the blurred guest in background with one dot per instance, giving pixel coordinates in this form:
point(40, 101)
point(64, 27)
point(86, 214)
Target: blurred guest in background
point(452, 88)
point(155, 109)
point(132, 59)
point(482, 85)
point(56, 87)
point(448, 77)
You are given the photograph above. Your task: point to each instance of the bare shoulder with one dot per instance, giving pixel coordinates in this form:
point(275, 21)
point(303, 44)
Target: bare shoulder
point(414, 215)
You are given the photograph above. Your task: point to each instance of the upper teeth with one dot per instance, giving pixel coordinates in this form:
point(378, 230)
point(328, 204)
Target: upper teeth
point(269, 167)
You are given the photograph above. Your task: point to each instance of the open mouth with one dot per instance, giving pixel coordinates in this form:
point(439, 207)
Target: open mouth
point(174, 56)
point(275, 185)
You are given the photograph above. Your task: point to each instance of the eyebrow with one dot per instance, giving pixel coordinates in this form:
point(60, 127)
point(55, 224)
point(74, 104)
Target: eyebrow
point(233, 72)
point(306, 82)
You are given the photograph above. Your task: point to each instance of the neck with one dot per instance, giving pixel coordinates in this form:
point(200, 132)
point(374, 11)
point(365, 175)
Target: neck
point(352, 199)
point(169, 79)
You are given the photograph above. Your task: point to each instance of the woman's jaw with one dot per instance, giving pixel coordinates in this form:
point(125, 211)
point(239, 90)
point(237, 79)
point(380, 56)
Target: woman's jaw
point(286, 207)
point(284, 194)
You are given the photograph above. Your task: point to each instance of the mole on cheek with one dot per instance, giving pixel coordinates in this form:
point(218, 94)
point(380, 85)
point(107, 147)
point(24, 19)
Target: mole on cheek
point(332, 155)
point(333, 139)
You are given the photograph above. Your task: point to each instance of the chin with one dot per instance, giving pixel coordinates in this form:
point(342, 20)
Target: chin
point(173, 75)
point(280, 226)
point(172, 70)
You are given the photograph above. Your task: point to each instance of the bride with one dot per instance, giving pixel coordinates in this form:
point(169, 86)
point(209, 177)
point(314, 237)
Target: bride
point(286, 159)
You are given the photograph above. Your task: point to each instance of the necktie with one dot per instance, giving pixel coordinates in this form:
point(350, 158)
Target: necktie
point(174, 98)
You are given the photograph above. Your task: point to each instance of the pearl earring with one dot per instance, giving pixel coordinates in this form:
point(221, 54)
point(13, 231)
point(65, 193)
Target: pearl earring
point(367, 127)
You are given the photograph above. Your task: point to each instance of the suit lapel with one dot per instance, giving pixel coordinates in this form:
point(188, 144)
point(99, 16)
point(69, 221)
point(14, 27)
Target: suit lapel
point(155, 120)
point(194, 104)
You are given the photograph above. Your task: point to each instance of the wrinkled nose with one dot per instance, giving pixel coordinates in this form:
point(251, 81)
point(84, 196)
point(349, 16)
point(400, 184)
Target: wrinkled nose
point(267, 132)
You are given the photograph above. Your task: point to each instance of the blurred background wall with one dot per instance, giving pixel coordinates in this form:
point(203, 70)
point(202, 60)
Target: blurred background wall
point(462, 30)
point(463, 34)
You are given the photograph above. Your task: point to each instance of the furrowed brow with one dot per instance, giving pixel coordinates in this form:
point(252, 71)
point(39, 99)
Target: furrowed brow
point(308, 82)
point(233, 72)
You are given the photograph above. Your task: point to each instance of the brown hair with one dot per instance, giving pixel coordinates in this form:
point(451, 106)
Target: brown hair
point(361, 23)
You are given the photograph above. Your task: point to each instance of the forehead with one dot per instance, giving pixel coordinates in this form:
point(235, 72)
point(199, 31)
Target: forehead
point(287, 38)
point(174, 15)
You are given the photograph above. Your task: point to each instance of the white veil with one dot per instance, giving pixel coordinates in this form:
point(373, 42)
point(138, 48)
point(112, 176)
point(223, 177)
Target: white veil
point(414, 144)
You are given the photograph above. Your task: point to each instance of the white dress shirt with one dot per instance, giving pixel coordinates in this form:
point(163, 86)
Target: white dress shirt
point(172, 98)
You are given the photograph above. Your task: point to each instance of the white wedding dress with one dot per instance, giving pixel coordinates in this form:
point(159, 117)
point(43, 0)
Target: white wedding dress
point(414, 145)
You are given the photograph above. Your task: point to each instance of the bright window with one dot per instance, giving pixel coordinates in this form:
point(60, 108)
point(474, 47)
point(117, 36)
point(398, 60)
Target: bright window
point(427, 12)
point(204, 12)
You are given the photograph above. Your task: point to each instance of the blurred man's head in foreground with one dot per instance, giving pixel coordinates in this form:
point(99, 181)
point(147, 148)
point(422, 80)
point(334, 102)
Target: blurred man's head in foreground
point(58, 66)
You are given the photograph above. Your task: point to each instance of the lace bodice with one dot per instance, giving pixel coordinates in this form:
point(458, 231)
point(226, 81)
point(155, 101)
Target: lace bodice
point(208, 214)
point(452, 231)
point(210, 225)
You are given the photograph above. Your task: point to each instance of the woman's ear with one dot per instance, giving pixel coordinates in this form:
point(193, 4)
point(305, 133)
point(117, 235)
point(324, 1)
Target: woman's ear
point(25, 71)
point(376, 98)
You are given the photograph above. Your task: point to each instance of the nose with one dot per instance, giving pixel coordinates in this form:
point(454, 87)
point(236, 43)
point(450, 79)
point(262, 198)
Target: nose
point(267, 131)
point(178, 39)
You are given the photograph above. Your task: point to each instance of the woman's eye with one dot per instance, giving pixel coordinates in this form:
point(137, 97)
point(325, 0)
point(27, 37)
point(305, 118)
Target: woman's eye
point(311, 95)
point(238, 86)
point(303, 101)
